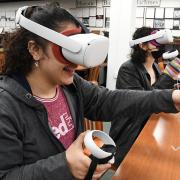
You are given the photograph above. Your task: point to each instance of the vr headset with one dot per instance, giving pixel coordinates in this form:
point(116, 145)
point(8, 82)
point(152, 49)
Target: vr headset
point(157, 38)
point(88, 49)
point(170, 54)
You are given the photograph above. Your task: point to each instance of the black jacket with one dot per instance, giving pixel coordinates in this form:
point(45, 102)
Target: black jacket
point(28, 148)
point(134, 76)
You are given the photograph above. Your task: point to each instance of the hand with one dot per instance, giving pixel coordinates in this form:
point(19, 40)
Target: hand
point(176, 99)
point(79, 163)
point(100, 170)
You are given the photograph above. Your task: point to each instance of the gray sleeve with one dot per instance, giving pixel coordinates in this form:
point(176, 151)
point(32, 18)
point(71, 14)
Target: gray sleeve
point(101, 103)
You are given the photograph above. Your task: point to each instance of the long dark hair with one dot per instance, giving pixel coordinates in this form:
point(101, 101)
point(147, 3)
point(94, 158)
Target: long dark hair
point(138, 55)
point(17, 56)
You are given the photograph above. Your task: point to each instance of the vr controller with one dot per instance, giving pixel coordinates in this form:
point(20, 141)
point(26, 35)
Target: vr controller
point(100, 147)
point(88, 50)
point(160, 37)
point(99, 144)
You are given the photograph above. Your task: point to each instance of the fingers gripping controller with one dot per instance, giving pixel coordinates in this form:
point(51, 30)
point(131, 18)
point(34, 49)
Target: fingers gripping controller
point(100, 147)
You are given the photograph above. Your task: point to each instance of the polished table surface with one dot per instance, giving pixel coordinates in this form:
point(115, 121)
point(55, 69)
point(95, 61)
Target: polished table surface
point(155, 154)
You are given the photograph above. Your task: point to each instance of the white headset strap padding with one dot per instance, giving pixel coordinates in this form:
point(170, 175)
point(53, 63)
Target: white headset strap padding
point(162, 36)
point(46, 33)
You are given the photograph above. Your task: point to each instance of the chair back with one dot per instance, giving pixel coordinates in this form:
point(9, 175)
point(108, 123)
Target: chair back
point(93, 77)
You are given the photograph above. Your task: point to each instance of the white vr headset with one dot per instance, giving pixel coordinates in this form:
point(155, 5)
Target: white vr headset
point(170, 55)
point(89, 50)
point(161, 37)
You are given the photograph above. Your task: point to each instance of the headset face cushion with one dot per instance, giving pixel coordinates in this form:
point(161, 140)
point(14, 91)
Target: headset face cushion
point(57, 50)
point(154, 42)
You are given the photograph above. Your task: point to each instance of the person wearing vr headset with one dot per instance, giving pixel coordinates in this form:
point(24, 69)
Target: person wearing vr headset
point(44, 102)
point(142, 71)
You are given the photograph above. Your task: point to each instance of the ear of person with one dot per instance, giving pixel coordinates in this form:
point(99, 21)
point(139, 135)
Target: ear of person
point(143, 46)
point(34, 50)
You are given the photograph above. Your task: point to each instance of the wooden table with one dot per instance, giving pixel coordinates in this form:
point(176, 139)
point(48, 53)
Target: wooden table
point(155, 154)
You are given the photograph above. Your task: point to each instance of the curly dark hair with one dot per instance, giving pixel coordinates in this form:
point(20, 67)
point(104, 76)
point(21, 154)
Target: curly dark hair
point(17, 57)
point(138, 55)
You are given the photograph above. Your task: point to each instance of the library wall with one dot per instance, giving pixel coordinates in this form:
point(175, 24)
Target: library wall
point(93, 13)
point(160, 14)
point(7, 14)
